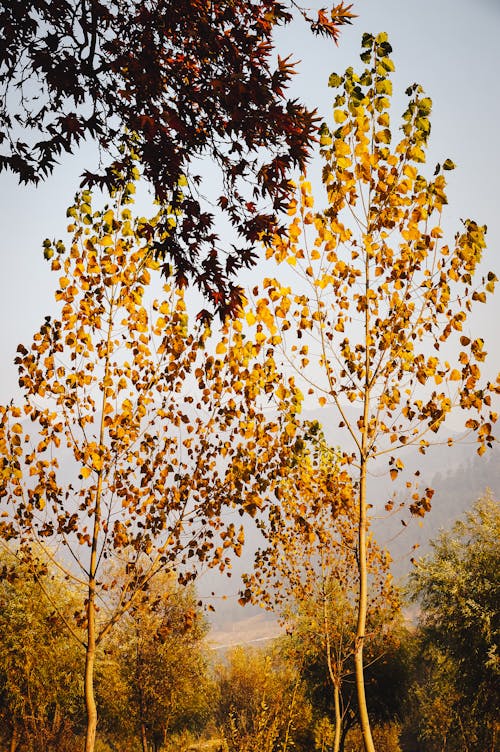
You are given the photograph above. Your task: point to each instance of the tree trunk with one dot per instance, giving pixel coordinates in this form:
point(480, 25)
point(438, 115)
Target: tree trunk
point(338, 719)
point(14, 738)
point(362, 530)
point(343, 738)
point(362, 602)
point(90, 704)
point(144, 738)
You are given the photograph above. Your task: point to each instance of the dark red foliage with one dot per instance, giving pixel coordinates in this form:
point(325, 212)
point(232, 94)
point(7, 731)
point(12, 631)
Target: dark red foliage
point(172, 81)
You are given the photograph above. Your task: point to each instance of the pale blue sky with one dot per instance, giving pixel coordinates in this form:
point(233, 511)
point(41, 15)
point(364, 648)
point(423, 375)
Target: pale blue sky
point(449, 46)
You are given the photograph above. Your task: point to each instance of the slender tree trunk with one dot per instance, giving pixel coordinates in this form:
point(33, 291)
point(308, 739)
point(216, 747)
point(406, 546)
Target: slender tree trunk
point(90, 704)
point(343, 738)
point(14, 738)
point(338, 719)
point(362, 530)
point(144, 738)
point(362, 609)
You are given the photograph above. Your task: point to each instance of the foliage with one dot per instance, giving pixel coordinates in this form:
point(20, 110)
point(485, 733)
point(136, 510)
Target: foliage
point(381, 295)
point(39, 668)
point(261, 703)
point(307, 572)
point(385, 736)
point(172, 82)
point(137, 438)
point(458, 588)
point(158, 654)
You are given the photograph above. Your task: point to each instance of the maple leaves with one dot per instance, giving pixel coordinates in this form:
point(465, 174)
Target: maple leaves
point(167, 82)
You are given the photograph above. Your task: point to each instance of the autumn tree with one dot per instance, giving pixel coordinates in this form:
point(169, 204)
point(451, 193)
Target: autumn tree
point(131, 439)
point(261, 703)
point(380, 298)
point(307, 572)
point(170, 81)
point(157, 650)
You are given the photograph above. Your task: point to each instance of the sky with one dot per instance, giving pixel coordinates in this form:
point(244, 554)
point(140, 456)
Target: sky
point(449, 46)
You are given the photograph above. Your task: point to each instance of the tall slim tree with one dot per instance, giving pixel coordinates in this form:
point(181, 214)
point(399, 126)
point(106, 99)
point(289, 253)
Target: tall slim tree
point(172, 80)
point(380, 294)
point(307, 571)
point(131, 439)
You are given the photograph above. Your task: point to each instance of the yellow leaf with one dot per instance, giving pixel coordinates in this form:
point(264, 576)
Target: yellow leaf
point(85, 472)
point(455, 375)
point(221, 348)
point(97, 461)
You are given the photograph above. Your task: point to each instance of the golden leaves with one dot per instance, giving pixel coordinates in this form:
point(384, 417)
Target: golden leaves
point(221, 348)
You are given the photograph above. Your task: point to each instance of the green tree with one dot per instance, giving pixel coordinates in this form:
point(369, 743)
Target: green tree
point(379, 293)
point(40, 670)
point(458, 588)
point(160, 656)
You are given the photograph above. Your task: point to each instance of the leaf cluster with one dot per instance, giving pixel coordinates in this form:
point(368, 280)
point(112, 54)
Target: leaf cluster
point(132, 438)
point(170, 82)
point(381, 292)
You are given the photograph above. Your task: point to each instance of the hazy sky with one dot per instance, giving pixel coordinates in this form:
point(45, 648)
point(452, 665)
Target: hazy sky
point(449, 46)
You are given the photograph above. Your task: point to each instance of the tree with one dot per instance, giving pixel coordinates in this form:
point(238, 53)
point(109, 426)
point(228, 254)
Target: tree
point(381, 293)
point(261, 704)
point(158, 653)
point(39, 667)
point(458, 586)
point(307, 572)
point(171, 82)
point(138, 438)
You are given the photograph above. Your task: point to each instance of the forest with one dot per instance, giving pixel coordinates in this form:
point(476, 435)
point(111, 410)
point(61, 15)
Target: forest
point(155, 438)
